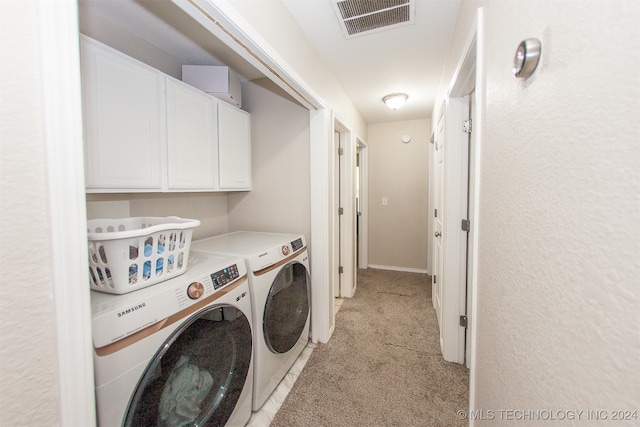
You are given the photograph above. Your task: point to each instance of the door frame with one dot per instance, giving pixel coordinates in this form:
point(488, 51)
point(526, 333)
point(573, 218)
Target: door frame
point(336, 202)
point(344, 184)
point(453, 280)
point(437, 193)
point(62, 118)
point(430, 221)
point(59, 35)
point(363, 232)
point(458, 271)
point(472, 292)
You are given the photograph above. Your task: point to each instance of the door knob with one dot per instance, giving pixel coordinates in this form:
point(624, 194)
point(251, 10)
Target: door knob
point(437, 234)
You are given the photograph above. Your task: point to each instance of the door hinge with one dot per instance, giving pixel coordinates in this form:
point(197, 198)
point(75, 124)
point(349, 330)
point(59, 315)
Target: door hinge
point(435, 213)
point(340, 270)
point(464, 321)
point(466, 225)
point(435, 279)
point(340, 151)
point(340, 211)
point(467, 126)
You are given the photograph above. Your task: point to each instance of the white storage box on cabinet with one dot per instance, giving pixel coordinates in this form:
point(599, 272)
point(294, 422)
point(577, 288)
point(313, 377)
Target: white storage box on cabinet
point(127, 254)
point(217, 80)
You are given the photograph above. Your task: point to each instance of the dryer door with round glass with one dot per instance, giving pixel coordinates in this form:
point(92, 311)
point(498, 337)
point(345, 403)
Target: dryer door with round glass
point(287, 308)
point(197, 376)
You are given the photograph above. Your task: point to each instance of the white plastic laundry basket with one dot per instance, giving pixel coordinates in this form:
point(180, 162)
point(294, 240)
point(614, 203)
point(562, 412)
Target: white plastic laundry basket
point(126, 254)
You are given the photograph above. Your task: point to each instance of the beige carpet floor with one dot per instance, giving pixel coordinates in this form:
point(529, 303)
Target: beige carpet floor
point(383, 365)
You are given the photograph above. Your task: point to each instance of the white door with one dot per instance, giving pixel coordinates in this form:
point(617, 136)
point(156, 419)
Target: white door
point(338, 184)
point(473, 222)
point(362, 225)
point(336, 204)
point(438, 213)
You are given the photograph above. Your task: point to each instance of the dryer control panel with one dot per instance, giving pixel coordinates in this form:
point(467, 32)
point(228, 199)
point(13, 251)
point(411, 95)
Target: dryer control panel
point(297, 245)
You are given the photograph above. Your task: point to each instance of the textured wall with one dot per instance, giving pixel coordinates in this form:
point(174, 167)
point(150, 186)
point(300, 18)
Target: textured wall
point(400, 173)
point(559, 238)
point(28, 358)
point(280, 197)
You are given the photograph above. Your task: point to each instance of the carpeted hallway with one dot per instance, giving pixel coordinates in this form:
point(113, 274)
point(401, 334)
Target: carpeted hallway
point(382, 366)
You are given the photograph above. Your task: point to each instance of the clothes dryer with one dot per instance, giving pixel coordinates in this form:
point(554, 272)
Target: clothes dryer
point(280, 288)
point(179, 352)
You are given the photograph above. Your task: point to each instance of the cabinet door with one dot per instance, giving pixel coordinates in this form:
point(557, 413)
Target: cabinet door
point(123, 120)
point(234, 141)
point(192, 139)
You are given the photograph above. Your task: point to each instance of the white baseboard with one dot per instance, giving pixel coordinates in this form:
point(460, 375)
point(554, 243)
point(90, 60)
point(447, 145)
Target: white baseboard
point(390, 267)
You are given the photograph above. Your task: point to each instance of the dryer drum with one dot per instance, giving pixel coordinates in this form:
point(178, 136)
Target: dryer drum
point(197, 376)
point(287, 308)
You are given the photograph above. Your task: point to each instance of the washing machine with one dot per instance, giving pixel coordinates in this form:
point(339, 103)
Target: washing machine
point(280, 289)
point(179, 352)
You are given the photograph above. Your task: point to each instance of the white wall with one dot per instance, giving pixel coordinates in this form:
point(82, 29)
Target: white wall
point(100, 28)
point(28, 355)
point(559, 240)
point(400, 173)
point(209, 208)
point(280, 196)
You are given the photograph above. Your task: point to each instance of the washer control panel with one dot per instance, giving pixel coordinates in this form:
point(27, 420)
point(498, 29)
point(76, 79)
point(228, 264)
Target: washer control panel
point(115, 317)
point(224, 276)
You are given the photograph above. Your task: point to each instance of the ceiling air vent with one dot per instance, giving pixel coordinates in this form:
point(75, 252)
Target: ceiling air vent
point(360, 17)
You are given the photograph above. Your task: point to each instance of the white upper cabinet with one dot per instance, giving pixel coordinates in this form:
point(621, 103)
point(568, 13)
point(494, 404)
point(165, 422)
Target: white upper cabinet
point(234, 139)
point(123, 116)
point(192, 135)
point(148, 132)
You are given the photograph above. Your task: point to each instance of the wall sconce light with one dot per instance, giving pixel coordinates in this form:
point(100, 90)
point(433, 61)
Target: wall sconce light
point(395, 100)
point(526, 58)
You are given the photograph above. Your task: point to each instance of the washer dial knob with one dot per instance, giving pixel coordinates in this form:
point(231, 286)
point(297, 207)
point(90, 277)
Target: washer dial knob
point(195, 290)
point(285, 250)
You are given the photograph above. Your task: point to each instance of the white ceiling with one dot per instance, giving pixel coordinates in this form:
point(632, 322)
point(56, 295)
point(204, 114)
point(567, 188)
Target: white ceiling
point(405, 59)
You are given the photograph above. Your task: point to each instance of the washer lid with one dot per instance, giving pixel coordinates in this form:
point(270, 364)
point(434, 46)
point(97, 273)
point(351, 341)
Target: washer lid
point(258, 248)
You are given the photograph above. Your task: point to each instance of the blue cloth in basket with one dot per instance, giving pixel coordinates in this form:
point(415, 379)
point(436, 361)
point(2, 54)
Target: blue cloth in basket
point(146, 268)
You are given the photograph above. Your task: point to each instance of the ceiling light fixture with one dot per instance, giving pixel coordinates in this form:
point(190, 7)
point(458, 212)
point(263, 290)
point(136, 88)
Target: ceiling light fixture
point(395, 100)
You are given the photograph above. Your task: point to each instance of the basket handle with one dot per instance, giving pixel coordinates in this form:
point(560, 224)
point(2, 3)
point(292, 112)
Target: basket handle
point(180, 224)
